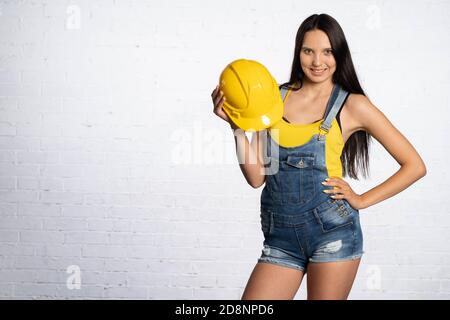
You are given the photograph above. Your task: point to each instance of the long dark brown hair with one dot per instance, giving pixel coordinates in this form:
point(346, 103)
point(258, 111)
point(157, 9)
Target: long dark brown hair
point(355, 153)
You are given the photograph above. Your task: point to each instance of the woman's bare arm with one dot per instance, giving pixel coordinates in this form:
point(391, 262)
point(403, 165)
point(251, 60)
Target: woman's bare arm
point(370, 119)
point(250, 156)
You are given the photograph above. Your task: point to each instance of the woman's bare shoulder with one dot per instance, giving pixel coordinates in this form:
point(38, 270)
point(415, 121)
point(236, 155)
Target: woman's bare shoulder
point(359, 109)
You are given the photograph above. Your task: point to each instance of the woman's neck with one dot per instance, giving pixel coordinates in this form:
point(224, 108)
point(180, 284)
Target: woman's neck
point(315, 90)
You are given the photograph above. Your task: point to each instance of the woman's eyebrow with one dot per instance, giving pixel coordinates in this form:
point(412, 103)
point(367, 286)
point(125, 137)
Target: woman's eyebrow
point(304, 47)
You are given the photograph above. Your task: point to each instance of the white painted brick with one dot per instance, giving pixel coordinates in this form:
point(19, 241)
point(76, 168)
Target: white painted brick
point(195, 281)
point(6, 262)
point(100, 171)
point(87, 185)
point(131, 265)
point(33, 263)
point(39, 129)
point(82, 157)
point(15, 249)
point(9, 76)
point(7, 129)
point(18, 223)
point(100, 225)
point(42, 290)
point(42, 104)
point(85, 292)
point(19, 143)
point(126, 292)
point(40, 184)
point(414, 285)
point(104, 279)
point(63, 224)
point(13, 276)
point(9, 236)
point(19, 170)
point(15, 9)
point(8, 210)
point(445, 286)
point(122, 226)
point(84, 211)
point(61, 90)
point(27, 183)
point(120, 200)
point(38, 210)
point(167, 293)
point(85, 263)
point(8, 24)
point(170, 266)
point(8, 183)
point(61, 171)
point(131, 238)
point(63, 198)
point(41, 236)
point(44, 75)
point(109, 251)
point(60, 250)
point(138, 212)
point(15, 90)
point(7, 156)
point(86, 237)
point(70, 119)
point(6, 290)
point(218, 267)
point(148, 279)
point(83, 104)
point(146, 252)
point(59, 264)
point(217, 294)
point(61, 144)
point(161, 227)
point(182, 240)
point(37, 157)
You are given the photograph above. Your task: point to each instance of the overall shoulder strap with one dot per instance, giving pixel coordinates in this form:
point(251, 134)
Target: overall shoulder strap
point(283, 92)
point(335, 103)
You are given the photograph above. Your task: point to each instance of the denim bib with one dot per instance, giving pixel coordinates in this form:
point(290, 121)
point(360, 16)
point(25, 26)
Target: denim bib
point(294, 175)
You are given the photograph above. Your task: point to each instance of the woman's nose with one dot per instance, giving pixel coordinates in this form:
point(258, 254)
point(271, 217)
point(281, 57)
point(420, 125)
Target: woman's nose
point(316, 61)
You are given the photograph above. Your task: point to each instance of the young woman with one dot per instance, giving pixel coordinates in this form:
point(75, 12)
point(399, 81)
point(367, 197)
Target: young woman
point(309, 213)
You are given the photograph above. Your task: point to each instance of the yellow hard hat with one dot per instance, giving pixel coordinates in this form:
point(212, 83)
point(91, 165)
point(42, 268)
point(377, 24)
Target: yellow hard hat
point(253, 99)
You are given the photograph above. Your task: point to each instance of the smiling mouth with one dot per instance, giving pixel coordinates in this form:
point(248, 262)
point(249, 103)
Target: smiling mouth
point(318, 70)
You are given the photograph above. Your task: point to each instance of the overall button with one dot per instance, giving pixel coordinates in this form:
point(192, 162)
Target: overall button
point(300, 161)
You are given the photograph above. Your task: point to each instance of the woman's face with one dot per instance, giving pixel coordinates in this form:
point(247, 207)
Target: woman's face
point(316, 56)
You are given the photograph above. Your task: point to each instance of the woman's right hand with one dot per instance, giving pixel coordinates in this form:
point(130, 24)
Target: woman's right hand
point(218, 100)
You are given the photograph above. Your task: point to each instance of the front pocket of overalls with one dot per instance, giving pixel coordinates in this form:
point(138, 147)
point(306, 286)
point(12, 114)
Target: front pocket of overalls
point(298, 186)
point(348, 206)
point(333, 217)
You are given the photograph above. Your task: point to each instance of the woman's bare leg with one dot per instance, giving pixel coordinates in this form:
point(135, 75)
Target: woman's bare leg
point(331, 280)
point(274, 282)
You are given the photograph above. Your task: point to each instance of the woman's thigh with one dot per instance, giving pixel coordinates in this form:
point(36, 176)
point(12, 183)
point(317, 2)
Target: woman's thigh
point(331, 280)
point(270, 281)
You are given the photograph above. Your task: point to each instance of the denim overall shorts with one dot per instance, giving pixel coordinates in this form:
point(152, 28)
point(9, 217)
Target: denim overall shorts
point(300, 222)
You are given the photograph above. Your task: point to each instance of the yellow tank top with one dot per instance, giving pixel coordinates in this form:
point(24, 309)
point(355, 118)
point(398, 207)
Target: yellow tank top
point(290, 135)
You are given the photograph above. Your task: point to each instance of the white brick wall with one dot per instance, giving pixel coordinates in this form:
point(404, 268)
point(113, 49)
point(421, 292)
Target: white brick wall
point(112, 160)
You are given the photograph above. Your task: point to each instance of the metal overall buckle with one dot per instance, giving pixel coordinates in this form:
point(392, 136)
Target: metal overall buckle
point(322, 136)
